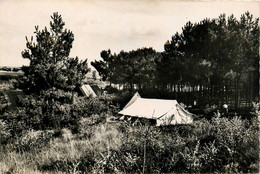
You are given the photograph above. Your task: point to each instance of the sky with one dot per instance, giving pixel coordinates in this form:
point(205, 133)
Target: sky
point(106, 24)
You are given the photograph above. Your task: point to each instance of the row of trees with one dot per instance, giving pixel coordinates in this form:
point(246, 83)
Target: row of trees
point(136, 67)
point(212, 55)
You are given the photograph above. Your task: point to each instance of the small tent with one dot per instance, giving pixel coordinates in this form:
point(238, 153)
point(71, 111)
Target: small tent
point(165, 112)
point(88, 91)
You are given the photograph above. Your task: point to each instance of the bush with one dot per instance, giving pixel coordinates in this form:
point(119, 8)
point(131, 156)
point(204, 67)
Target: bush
point(33, 141)
point(222, 145)
point(55, 109)
point(4, 132)
point(3, 103)
point(111, 89)
point(90, 145)
point(219, 145)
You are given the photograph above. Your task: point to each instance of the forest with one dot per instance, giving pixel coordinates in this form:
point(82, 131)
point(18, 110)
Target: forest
point(214, 61)
point(55, 129)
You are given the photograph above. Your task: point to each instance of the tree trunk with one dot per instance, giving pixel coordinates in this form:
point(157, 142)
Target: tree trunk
point(210, 94)
point(200, 93)
point(131, 86)
point(222, 95)
point(237, 93)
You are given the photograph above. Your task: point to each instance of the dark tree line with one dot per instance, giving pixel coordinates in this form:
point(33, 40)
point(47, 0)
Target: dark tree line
point(217, 59)
point(133, 69)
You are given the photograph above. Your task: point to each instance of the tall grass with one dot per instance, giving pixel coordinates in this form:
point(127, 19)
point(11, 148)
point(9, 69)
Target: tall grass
point(219, 145)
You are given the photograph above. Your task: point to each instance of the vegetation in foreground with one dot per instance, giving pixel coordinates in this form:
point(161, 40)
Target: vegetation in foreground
point(57, 133)
point(219, 145)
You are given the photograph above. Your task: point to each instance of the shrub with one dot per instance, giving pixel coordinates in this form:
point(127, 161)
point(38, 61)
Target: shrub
point(33, 141)
point(217, 145)
point(222, 145)
point(55, 109)
point(4, 132)
point(111, 89)
point(3, 103)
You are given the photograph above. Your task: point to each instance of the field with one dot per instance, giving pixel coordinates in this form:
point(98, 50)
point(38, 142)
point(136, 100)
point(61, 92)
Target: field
point(116, 148)
point(72, 141)
point(6, 73)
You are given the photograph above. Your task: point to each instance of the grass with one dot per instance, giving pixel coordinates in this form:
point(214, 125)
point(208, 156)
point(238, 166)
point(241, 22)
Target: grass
point(14, 162)
point(117, 148)
point(64, 154)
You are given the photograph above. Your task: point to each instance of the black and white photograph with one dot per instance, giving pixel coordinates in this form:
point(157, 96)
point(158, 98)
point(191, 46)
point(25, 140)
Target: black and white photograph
point(129, 86)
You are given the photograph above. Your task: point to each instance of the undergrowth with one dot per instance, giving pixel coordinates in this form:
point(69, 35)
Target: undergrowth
point(219, 145)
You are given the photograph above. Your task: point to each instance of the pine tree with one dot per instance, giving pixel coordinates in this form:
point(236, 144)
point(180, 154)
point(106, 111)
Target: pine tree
point(50, 64)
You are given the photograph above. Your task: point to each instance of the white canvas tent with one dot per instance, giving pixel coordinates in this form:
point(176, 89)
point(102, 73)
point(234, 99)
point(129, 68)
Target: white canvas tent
point(165, 112)
point(87, 91)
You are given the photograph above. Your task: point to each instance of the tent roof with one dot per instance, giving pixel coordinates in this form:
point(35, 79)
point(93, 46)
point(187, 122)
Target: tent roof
point(133, 99)
point(149, 108)
point(87, 91)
